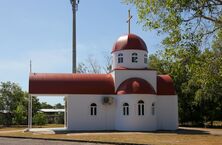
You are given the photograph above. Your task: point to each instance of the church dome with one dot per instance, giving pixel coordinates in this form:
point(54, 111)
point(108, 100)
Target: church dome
point(135, 86)
point(129, 42)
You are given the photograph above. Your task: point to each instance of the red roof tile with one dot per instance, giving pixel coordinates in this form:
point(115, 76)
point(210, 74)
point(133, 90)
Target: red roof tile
point(48, 83)
point(45, 83)
point(135, 86)
point(129, 42)
point(165, 85)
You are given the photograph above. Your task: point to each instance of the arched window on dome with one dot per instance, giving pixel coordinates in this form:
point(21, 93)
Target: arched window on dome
point(153, 108)
point(145, 58)
point(125, 109)
point(134, 58)
point(120, 58)
point(93, 109)
point(140, 108)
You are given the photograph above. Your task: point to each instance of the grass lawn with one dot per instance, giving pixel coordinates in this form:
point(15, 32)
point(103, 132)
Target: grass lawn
point(49, 126)
point(20, 127)
point(154, 138)
point(11, 128)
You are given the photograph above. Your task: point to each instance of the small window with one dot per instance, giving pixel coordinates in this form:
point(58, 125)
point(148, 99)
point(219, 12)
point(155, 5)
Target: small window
point(145, 58)
point(140, 108)
point(153, 108)
point(93, 109)
point(134, 58)
point(120, 58)
point(125, 109)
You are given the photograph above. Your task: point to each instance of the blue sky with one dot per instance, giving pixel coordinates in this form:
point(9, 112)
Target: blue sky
point(41, 30)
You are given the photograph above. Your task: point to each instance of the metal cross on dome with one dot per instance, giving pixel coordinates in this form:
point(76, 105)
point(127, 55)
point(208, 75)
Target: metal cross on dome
point(128, 21)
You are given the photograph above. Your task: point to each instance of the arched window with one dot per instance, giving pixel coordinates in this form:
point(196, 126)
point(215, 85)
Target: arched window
point(140, 108)
point(93, 109)
point(125, 109)
point(134, 58)
point(120, 58)
point(145, 58)
point(153, 108)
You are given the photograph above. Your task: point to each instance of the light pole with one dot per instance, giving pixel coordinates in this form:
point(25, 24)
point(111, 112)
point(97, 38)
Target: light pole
point(30, 105)
point(74, 4)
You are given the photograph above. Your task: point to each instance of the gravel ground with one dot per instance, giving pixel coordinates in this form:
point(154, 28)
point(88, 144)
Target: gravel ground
point(13, 141)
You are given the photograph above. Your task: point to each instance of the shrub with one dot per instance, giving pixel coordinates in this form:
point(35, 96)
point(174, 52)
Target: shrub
point(39, 119)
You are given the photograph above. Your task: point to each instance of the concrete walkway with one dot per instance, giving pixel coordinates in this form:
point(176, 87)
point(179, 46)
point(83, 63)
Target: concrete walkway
point(46, 130)
point(181, 130)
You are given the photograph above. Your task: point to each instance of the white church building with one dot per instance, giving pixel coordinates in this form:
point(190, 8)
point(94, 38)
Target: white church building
point(130, 98)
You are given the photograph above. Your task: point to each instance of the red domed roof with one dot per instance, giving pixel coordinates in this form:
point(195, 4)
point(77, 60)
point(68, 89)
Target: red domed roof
point(135, 86)
point(165, 85)
point(128, 42)
point(48, 83)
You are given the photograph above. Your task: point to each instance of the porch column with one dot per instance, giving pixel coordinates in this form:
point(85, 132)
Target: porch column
point(65, 113)
point(30, 112)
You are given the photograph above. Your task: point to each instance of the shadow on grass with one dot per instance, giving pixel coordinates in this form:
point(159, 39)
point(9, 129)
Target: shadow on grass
point(186, 131)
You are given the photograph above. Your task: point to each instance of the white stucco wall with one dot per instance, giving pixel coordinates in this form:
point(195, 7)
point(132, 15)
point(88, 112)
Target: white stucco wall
point(134, 122)
point(122, 75)
point(79, 118)
point(167, 112)
point(127, 59)
point(110, 117)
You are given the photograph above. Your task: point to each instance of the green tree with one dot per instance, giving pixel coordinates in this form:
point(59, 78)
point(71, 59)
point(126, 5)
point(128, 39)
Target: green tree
point(36, 105)
point(45, 105)
point(185, 21)
point(217, 44)
point(20, 115)
point(39, 119)
point(208, 76)
point(10, 95)
point(197, 78)
point(180, 63)
point(92, 66)
point(196, 72)
point(59, 106)
point(14, 104)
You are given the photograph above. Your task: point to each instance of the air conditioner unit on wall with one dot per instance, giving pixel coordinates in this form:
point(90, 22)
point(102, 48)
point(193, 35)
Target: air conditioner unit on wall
point(107, 100)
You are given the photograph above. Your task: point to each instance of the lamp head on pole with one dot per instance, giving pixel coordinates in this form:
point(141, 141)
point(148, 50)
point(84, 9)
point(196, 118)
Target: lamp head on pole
point(74, 4)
